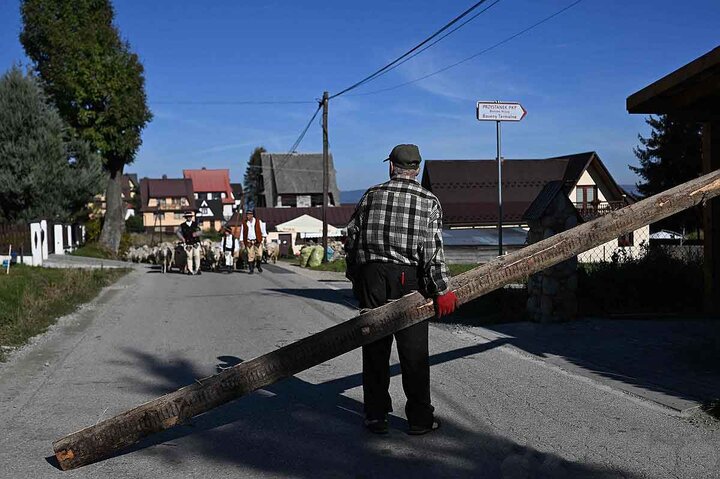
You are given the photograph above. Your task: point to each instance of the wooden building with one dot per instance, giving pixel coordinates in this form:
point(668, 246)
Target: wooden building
point(692, 92)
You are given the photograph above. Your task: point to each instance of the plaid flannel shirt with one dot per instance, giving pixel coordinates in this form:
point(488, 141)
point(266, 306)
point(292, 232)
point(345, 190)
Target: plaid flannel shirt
point(399, 222)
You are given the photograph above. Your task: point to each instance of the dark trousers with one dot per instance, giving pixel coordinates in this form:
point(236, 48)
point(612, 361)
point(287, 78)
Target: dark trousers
point(374, 285)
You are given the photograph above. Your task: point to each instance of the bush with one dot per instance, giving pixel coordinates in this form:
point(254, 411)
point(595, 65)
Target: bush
point(212, 235)
point(134, 224)
point(653, 283)
point(125, 244)
point(93, 228)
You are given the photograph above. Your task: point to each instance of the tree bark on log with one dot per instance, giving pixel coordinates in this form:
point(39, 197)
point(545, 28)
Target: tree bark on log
point(111, 435)
point(114, 224)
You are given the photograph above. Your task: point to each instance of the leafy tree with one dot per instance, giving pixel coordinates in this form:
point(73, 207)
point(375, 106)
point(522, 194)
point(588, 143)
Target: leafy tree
point(252, 179)
point(670, 156)
point(95, 81)
point(134, 224)
point(44, 173)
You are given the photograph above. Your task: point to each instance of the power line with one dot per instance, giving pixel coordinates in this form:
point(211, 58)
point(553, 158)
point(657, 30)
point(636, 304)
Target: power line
point(409, 52)
point(293, 149)
point(233, 102)
point(439, 39)
point(453, 65)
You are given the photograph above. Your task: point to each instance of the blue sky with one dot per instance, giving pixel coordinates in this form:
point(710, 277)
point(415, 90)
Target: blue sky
point(572, 74)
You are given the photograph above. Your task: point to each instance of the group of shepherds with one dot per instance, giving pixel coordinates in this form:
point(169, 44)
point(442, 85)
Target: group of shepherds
point(171, 256)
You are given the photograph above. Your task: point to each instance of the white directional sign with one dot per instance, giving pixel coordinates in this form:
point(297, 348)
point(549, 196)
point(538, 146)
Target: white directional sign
point(500, 111)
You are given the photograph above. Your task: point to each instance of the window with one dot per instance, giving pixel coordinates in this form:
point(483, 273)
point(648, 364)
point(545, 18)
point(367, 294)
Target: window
point(585, 195)
point(288, 200)
point(626, 240)
point(316, 199)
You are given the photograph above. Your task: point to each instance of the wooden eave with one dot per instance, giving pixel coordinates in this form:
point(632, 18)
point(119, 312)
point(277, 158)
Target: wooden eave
point(692, 91)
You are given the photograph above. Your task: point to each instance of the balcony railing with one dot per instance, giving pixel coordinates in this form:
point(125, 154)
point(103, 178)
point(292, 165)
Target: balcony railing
point(590, 211)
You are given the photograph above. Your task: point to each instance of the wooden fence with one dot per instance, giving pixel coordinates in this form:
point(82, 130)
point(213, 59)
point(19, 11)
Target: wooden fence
point(33, 242)
point(16, 235)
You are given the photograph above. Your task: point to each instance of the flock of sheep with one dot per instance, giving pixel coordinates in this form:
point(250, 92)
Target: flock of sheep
point(170, 256)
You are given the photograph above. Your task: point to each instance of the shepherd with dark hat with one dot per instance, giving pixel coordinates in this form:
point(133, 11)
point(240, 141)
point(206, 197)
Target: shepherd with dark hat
point(394, 247)
point(189, 234)
point(230, 245)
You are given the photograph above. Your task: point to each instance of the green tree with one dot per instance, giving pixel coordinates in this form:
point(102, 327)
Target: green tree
point(670, 156)
point(252, 179)
point(44, 172)
point(95, 81)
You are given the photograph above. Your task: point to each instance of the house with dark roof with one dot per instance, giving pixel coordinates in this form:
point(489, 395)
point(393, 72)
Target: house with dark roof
point(238, 195)
point(164, 200)
point(209, 215)
point(130, 189)
point(468, 192)
point(295, 180)
point(213, 185)
point(468, 189)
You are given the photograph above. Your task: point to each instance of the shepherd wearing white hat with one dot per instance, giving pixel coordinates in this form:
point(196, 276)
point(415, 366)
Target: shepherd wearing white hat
point(189, 234)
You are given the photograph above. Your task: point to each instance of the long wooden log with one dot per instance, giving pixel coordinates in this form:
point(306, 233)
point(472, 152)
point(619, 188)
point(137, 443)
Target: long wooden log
point(111, 435)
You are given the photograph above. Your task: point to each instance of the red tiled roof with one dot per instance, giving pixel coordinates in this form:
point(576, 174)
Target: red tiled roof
point(211, 181)
point(467, 189)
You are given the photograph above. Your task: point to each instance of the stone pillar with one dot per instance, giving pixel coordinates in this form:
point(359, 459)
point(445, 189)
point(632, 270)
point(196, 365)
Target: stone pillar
point(552, 293)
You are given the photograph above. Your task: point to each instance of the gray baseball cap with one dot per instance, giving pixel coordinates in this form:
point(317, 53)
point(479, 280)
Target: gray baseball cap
point(405, 156)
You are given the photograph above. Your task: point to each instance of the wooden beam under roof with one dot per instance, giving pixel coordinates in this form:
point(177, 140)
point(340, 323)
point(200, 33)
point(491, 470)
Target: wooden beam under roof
point(693, 88)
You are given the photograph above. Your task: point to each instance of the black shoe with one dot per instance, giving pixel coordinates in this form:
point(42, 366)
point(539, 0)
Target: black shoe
point(420, 430)
point(259, 269)
point(377, 426)
point(199, 273)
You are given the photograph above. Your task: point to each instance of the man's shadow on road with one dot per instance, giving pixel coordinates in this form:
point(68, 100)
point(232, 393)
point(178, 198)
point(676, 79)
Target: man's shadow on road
point(299, 429)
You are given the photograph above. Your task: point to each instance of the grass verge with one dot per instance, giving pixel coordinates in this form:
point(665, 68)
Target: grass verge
point(32, 298)
point(93, 250)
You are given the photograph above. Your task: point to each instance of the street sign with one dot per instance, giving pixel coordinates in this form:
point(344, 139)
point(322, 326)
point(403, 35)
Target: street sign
point(500, 111)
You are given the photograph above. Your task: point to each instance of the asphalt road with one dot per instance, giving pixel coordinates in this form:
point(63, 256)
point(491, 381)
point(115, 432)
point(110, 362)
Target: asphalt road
point(504, 415)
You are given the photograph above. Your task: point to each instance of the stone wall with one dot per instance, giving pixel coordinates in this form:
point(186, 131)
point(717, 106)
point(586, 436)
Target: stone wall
point(552, 293)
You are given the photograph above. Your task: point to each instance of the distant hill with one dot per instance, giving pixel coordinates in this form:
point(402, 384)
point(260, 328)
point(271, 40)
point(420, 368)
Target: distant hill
point(351, 197)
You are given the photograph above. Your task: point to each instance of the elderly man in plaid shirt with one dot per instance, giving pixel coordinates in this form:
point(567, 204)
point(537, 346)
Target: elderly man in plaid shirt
point(394, 247)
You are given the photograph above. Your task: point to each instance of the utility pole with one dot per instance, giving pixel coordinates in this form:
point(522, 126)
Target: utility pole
point(326, 178)
point(500, 203)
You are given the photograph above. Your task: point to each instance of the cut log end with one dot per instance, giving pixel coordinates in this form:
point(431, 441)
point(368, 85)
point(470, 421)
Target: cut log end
point(64, 458)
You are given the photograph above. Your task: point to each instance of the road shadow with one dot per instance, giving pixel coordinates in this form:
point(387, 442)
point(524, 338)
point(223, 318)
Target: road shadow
point(298, 429)
point(343, 297)
point(678, 358)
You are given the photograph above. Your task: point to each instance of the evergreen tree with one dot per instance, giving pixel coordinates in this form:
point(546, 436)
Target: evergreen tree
point(670, 156)
point(253, 176)
point(44, 173)
point(95, 81)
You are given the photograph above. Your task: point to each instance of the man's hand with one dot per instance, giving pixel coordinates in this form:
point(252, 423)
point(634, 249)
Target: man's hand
point(445, 304)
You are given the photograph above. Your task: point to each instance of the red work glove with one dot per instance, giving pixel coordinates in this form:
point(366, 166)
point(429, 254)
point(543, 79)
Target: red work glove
point(445, 304)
